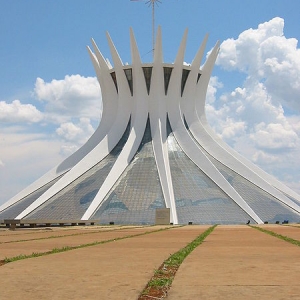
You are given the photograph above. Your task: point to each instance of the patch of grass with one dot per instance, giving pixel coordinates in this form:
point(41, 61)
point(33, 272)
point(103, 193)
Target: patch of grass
point(159, 284)
point(68, 248)
point(280, 236)
point(37, 254)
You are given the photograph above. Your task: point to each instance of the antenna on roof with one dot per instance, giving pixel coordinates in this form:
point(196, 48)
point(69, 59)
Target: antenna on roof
point(152, 3)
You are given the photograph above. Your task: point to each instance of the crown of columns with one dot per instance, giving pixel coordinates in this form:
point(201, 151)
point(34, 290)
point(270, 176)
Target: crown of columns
point(164, 96)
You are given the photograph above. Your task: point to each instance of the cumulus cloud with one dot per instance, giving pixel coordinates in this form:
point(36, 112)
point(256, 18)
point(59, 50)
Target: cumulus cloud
point(74, 95)
point(76, 134)
point(244, 53)
point(67, 110)
point(214, 85)
point(274, 136)
point(251, 117)
point(74, 103)
point(16, 112)
point(266, 55)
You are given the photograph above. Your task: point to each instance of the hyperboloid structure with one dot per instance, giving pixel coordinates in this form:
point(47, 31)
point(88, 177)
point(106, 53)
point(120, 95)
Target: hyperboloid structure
point(154, 149)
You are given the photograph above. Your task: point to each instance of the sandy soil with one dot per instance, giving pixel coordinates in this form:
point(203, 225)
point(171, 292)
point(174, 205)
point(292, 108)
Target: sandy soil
point(234, 262)
point(240, 263)
point(39, 232)
point(286, 230)
point(115, 270)
point(34, 243)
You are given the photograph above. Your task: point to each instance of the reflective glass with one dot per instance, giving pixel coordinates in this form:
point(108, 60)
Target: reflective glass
point(292, 199)
point(267, 207)
point(114, 78)
point(137, 193)
point(14, 210)
point(147, 73)
point(72, 201)
point(185, 75)
point(199, 75)
point(198, 198)
point(128, 73)
point(167, 76)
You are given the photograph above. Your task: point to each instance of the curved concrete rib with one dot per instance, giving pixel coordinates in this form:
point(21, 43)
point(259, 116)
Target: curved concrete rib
point(187, 143)
point(139, 120)
point(187, 102)
point(212, 145)
point(201, 113)
point(123, 102)
point(157, 112)
point(109, 97)
point(104, 147)
point(46, 178)
point(267, 177)
point(110, 104)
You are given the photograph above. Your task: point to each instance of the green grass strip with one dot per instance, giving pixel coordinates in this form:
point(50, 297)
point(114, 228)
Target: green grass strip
point(68, 248)
point(280, 236)
point(162, 279)
point(177, 258)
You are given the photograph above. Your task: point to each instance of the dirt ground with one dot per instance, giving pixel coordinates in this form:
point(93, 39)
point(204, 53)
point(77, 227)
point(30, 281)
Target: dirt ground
point(234, 262)
point(39, 241)
point(240, 263)
point(116, 270)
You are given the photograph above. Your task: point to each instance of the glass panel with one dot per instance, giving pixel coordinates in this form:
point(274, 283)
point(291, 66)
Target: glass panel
point(147, 74)
point(114, 78)
point(198, 198)
point(137, 193)
point(14, 210)
point(167, 76)
point(185, 74)
point(128, 73)
point(199, 75)
point(267, 207)
point(292, 199)
point(72, 201)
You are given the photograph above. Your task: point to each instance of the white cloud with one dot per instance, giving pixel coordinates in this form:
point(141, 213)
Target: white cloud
point(232, 129)
point(266, 55)
point(68, 107)
point(214, 85)
point(244, 53)
point(25, 157)
point(274, 136)
point(261, 157)
point(75, 96)
point(17, 112)
point(74, 135)
point(252, 117)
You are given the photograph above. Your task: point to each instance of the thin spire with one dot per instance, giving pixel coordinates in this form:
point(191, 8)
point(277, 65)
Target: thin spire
point(152, 3)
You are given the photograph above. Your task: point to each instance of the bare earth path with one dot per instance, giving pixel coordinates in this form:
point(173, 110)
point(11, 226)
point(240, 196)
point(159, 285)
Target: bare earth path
point(234, 262)
point(289, 231)
point(239, 262)
point(116, 270)
point(66, 239)
point(42, 232)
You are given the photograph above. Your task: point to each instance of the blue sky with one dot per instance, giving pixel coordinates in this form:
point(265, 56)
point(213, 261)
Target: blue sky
point(50, 101)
